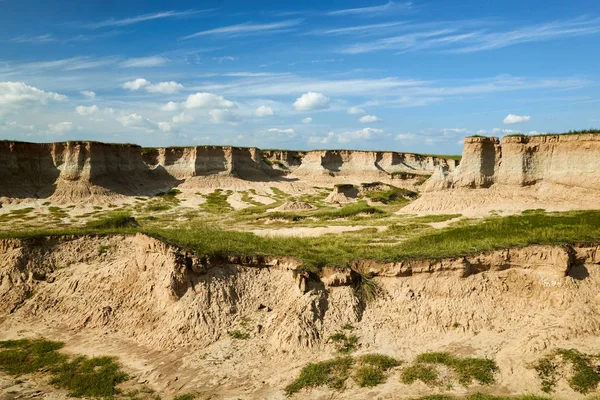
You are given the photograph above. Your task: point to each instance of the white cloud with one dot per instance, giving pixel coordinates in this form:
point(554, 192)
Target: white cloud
point(136, 84)
point(345, 137)
point(516, 119)
point(307, 120)
point(225, 58)
point(182, 118)
point(290, 132)
point(135, 121)
point(170, 106)
point(207, 100)
point(15, 93)
point(144, 62)
point(406, 136)
point(165, 126)
point(164, 87)
point(60, 128)
point(368, 119)
point(83, 110)
point(218, 116)
point(89, 94)
point(264, 111)
point(355, 110)
point(312, 101)
point(247, 28)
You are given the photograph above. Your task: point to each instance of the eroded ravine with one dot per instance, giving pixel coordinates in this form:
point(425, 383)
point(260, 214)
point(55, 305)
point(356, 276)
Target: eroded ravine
point(169, 314)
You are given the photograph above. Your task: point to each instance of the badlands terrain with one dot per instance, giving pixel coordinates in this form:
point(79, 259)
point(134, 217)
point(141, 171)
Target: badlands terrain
point(238, 273)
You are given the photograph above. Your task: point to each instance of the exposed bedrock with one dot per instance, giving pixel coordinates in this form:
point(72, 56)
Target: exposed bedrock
point(158, 295)
point(570, 160)
point(72, 171)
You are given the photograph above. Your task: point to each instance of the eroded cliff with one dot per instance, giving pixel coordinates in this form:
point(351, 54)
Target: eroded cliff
point(72, 171)
point(569, 160)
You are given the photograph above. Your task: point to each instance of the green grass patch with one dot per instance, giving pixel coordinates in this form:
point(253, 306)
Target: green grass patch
point(391, 196)
point(420, 372)
point(238, 335)
point(344, 344)
point(467, 369)
point(331, 373)
point(82, 376)
point(427, 219)
point(116, 220)
point(216, 202)
point(186, 396)
point(584, 377)
point(89, 377)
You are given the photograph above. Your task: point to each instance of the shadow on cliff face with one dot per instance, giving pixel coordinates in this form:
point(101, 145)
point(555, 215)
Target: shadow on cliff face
point(27, 171)
point(332, 161)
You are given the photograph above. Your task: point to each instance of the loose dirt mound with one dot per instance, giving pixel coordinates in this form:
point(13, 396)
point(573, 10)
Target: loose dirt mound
point(512, 306)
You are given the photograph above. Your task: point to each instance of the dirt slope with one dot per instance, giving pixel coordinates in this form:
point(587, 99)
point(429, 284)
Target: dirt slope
point(167, 314)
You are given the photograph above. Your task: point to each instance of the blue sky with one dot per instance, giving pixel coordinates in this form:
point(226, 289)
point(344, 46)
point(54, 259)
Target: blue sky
point(398, 75)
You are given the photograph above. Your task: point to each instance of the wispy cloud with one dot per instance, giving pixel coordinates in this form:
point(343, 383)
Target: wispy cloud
point(143, 18)
point(456, 38)
point(536, 33)
point(144, 62)
point(34, 39)
point(234, 30)
point(360, 29)
point(384, 8)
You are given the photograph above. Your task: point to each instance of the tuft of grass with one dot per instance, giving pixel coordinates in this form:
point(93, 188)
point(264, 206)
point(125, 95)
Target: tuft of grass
point(344, 344)
point(331, 373)
point(373, 369)
point(420, 372)
point(239, 335)
point(186, 396)
point(367, 287)
point(379, 361)
point(103, 249)
point(369, 376)
point(116, 220)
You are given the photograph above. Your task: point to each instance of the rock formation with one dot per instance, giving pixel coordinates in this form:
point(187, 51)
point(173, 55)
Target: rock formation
point(74, 171)
point(570, 160)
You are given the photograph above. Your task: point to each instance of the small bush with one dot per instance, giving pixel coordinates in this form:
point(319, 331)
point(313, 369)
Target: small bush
point(331, 373)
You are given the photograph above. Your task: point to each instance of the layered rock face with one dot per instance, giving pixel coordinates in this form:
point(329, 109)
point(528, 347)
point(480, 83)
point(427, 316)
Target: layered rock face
point(571, 160)
point(349, 162)
point(75, 170)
